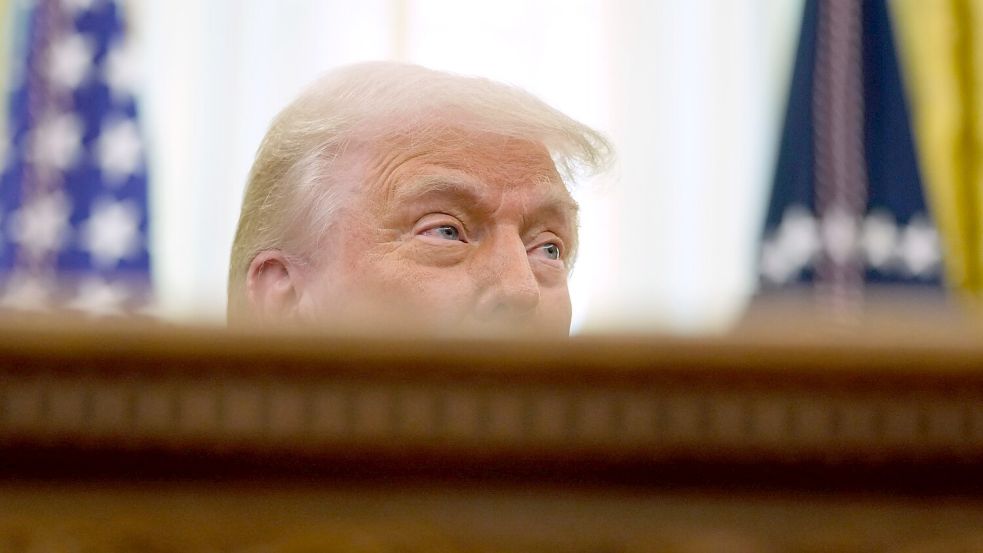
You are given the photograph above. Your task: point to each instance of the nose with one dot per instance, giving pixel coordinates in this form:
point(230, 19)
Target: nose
point(509, 286)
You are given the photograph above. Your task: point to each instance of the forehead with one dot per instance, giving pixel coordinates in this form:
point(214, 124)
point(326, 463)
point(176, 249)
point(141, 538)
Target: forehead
point(492, 162)
point(491, 157)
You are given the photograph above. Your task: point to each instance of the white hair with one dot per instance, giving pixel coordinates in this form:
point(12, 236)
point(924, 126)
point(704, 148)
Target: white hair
point(289, 184)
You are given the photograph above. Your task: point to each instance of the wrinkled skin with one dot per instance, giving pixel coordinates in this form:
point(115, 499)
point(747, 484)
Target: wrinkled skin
point(469, 233)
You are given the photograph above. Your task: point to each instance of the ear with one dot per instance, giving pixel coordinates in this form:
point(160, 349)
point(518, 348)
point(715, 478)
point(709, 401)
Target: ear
point(272, 286)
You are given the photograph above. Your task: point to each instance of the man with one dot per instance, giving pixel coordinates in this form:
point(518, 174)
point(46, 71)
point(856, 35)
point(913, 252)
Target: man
point(390, 196)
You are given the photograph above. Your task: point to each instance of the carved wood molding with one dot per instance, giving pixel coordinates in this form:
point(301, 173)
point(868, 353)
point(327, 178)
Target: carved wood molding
point(598, 405)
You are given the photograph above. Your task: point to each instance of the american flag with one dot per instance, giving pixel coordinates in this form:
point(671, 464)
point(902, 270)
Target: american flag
point(73, 189)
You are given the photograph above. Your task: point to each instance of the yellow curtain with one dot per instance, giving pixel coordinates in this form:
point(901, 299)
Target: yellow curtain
point(941, 43)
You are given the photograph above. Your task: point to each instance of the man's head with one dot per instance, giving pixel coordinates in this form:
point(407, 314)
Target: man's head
point(389, 194)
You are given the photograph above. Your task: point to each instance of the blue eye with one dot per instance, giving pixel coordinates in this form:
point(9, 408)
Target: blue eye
point(552, 250)
point(447, 232)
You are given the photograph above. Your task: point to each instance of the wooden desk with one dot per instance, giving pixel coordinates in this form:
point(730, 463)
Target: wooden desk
point(116, 438)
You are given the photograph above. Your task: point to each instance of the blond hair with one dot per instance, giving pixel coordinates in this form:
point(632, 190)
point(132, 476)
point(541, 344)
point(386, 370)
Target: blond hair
point(289, 184)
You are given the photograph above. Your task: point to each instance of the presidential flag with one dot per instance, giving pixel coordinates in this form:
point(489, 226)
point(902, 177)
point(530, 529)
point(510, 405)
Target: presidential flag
point(847, 209)
point(73, 189)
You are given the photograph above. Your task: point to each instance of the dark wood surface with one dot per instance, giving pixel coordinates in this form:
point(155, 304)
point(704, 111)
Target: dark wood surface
point(782, 437)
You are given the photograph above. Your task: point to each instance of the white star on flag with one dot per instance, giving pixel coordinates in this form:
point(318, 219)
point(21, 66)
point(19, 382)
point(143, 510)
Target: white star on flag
point(792, 247)
point(799, 236)
point(57, 141)
point(119, 150)
point(41, 225)
point(26, 293)
point(775, 265)
point(111, 232)
point(70, 60)
point(99, 298)
point(880, 238)
point(920, 248)
point(122, 70)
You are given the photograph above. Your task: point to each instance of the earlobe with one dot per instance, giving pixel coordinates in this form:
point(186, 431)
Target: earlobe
point(272, 287)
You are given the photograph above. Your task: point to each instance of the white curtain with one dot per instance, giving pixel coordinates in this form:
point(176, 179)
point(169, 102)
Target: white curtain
point(689, 91)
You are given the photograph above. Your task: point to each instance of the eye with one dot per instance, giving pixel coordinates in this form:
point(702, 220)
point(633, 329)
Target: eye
point(444, 232)
point(551, 250)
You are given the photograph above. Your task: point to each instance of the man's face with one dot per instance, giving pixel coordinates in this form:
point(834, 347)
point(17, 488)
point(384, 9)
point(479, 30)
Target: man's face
point(467, 233)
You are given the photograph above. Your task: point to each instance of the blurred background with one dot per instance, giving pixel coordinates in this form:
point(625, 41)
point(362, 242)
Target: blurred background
point(159, 107)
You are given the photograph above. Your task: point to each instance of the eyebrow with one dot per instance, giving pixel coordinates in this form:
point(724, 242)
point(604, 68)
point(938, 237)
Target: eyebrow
point(470, 190)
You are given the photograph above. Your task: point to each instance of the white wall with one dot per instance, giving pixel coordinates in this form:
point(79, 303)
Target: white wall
point(690, 92)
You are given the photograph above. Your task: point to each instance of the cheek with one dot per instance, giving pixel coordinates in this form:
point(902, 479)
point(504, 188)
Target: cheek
point(555, 306)
point(336, 281)
point(446, 291)
point(384, 281)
